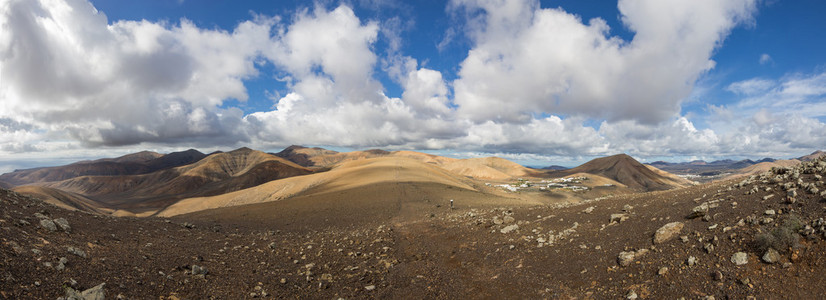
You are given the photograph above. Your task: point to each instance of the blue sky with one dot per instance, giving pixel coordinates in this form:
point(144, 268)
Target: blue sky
point(539, 82)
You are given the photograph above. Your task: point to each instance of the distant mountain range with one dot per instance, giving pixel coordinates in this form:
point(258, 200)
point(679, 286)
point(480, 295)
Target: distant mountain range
point(700, 167)
point(149, 183)
point(132, 164)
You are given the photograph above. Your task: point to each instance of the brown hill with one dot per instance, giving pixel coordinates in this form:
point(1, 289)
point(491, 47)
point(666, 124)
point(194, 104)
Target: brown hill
point(5, 185)
point(216, 174)
point(320, 158)
point(489, 168)
point(306, 157)
point(628, 171)
point(131, 164)
point(352, 175)
point(815, 155)
point(138, 157)
point(681, 181)
point(63, 199)
point(762, 167)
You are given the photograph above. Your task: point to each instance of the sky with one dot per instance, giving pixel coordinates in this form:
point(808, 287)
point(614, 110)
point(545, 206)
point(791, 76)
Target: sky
point(537, 82)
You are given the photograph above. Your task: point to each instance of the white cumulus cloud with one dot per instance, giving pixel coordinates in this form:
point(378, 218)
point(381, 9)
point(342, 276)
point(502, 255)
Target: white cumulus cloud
point(528, 59)
point(65, 68)
point(536, 82)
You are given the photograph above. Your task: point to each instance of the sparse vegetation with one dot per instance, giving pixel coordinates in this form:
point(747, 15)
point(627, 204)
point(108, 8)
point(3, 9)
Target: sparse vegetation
point(781, 238)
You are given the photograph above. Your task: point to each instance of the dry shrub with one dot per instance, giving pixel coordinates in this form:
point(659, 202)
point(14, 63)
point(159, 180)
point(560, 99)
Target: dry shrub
point(781, 238)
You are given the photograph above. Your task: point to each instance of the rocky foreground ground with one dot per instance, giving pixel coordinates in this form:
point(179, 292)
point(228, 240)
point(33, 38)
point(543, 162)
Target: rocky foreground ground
point(757, 237)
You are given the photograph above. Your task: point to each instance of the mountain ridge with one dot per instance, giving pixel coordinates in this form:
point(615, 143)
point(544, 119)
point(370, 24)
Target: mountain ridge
point(220, 174)
point(131, 164)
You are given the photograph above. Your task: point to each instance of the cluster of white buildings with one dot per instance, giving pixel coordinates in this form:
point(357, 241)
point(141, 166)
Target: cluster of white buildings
point(567, 183)
point(563, 183)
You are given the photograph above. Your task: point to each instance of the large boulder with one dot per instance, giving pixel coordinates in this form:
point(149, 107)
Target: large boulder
point(668, 232)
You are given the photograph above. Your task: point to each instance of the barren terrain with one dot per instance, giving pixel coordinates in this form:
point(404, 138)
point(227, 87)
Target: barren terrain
point(399, 238)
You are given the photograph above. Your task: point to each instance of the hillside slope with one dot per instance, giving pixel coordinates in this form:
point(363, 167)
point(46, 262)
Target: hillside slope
point(728, 240)
point(132, 164)
point(628, 171)
point(216, 174)
point(486, 167)
point(763, 167)
point(814, 155)
point(489, 168)
point(63, 199)
point(359, 174)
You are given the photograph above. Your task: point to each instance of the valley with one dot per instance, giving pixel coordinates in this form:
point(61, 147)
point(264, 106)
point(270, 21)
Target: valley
point(380, 225)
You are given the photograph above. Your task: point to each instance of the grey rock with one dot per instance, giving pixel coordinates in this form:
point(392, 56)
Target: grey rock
point(40, 216)
point(769, 212)
point(509, 228)
point(76, 251)
point(48, 224)
point(95, 293)
point(662, 271)
point(740, 258)
point(631, 295)
point(691, 261)
point(617, 218)
point(198, 270)
point(497, 220)
point(625, 258)
point(589, 210)
point(698, 211)
point(370, 287)
point(508, 219)
point(709, 247)
point(63, 224)
point(771, 256)
point(668, 232)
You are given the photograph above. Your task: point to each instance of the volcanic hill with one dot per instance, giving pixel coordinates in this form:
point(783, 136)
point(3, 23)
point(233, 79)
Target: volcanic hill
point(628, 171)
